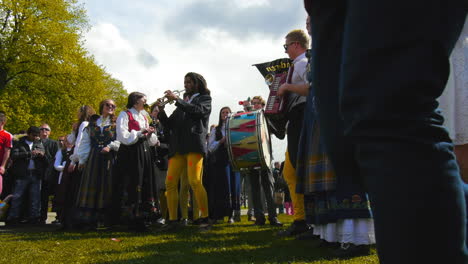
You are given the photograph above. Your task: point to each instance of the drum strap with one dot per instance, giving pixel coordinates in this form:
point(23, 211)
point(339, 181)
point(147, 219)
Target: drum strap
point(290, 73)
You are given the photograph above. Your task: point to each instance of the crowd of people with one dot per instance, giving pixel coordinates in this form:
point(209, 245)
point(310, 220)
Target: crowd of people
point(346, 153)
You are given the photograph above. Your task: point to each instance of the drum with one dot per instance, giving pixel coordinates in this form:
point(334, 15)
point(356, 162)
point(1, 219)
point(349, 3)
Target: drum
point(248, 141)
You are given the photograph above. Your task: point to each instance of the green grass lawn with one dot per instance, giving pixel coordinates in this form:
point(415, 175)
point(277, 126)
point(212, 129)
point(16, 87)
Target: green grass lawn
point(224, 243)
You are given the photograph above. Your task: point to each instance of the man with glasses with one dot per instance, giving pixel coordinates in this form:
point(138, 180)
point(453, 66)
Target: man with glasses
point(296, 44)
point(50, 177)
point(61, 141)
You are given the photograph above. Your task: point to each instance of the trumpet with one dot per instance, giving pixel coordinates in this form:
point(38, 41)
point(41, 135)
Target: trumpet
point(163, 100)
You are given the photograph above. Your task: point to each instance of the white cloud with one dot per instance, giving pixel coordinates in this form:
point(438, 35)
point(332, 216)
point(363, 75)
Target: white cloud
point(221, 53)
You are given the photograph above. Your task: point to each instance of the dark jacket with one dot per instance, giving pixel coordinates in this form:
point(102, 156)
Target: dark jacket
point(51, 147)
point(188, 125)
point(21, 155)
point(161, 152)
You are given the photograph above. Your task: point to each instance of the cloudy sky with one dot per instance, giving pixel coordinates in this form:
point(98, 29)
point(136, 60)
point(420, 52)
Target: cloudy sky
point(151, 44)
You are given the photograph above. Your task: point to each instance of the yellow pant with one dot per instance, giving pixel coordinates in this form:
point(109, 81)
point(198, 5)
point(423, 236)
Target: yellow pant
point(289, 174)
point(193, 163)
point(184, 194)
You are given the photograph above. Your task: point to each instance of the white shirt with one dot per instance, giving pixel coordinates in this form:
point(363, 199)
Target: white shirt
point(85, 146)
point(212, 143)
point(193, 96)
point(31, 162)
point(129, 138)
point(300, 70)
point(59, 163)
point(77, 141)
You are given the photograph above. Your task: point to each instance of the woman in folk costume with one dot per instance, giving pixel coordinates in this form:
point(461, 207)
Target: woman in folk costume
point(84, 115)
point(71, 176)
point(335, 203)
point(96, 153)
point(134, 185)
point(226, 181)
point(62, 158)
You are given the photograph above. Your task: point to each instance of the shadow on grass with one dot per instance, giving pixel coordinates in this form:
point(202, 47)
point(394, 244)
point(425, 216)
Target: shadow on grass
point(224, 243)
point(245, 246)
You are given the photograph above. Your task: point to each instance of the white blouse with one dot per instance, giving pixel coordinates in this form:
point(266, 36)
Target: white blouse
point(59, 163)
point(129, 138)
point(85, 146)
point(212, 143)
point(77, 141)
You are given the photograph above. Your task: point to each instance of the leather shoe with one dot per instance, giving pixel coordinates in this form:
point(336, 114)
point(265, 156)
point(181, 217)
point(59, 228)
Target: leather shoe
point(348, 250)
point(297, 227)
point(260, 220)
point(171, 226)
point(275, 222)
point(237, 216)
point(307, 235)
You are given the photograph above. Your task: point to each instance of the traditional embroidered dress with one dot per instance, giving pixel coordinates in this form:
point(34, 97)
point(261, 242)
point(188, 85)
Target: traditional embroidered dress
point(136, 191)
point(339, 211)
point(94, 193)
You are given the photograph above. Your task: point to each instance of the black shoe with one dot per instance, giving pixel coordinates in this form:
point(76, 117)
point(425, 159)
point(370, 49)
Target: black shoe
point(307, 235)
point(36, 222)
point(260, 220)
point(197, 222)
point(297, 227)
point(171, 226)
point(275, 222)
point(231, 220)
point(348, 250)
point(12, 223)
point(204, 222)
point(92, 228)
point(237, 216)
point(251, 218)
point(184, 222)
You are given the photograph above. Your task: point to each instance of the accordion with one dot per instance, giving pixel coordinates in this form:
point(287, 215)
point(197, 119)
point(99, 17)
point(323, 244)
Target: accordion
point(276, 107)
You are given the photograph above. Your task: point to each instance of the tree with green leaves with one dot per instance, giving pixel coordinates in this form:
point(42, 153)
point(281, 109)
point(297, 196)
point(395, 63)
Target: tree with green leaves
point(45, 73)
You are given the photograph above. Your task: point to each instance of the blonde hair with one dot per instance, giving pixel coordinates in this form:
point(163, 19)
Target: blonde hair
point(299, 36)
point(258, 97)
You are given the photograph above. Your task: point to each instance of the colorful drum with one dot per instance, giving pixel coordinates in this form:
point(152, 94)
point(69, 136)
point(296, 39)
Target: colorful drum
point(248, 141)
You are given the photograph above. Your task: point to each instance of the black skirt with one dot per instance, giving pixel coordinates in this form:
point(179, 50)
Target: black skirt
point(134, 192)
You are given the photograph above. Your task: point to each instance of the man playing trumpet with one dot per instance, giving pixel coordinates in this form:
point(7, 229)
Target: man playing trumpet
point(188, 126)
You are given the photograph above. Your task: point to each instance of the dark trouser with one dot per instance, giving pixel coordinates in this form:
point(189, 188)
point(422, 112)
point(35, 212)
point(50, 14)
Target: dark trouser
point(378, 67)
point(30, 183)
point(295, 120)
point(46, 189)
point(234, 188)
point(247, 191)
point(265, 178)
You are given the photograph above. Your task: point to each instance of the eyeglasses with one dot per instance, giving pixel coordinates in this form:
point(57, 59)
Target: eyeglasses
point(45, 128)
point(285, 46)
point(111, 106)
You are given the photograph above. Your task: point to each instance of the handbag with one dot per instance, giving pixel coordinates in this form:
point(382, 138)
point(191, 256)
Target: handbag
point(279, 198)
